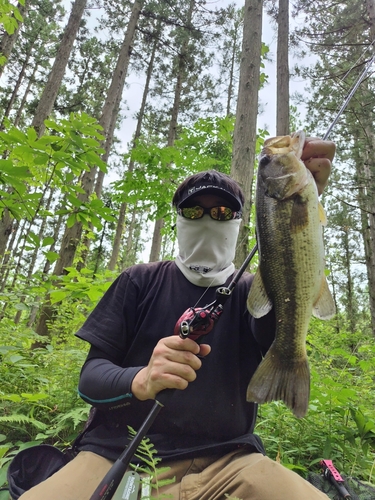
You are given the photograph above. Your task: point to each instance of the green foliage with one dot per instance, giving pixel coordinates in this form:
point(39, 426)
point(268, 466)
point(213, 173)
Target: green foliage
point(69, 147)
point(10, 16)
point(147, 453)
point(38, 394)
point(339, 424)
point(207, 144)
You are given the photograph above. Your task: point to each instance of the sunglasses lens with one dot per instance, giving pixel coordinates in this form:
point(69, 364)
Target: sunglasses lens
point(192, 212)
point(216, 213)
point(221, 213)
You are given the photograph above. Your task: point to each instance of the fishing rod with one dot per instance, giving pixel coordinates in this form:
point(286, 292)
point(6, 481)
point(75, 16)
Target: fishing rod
point(194, 323)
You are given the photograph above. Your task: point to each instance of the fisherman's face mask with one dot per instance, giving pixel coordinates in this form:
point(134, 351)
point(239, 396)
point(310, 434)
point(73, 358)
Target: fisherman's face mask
point(206, 249)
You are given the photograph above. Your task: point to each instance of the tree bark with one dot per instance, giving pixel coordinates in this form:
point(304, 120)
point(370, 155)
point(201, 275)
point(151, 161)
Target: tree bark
point(181, 75)
point(72, 235)
point(366, 172)
point(242, 169)
point(121, 217)
point(368, 192)
point(17, 86)
point(231, 75)
point(112, 104)
point(30, 82)
point(282, 106)
point(6, 225)
point(5, 268)
point(56, 75)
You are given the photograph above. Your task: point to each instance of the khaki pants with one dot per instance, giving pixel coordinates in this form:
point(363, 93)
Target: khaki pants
point(237, 475)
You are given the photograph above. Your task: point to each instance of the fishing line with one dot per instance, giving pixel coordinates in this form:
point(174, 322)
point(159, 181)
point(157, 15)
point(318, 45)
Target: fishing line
point(351, 93)
point(356, 85)
point(357, 61)
point(203, 294)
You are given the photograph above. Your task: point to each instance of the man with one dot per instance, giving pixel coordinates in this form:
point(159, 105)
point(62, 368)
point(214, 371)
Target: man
point(205, 432)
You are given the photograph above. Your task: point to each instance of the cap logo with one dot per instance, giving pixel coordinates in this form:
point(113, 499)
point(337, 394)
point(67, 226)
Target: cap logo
point(197, 188)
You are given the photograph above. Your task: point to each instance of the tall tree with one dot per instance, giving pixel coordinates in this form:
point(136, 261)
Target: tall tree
point(342, 35)
point(72, 235)
point(121, 216)
point(56, 75)
point(244, 141)
point(282, 85)
point(367, 193)
point(229, 53)
point(189, 42)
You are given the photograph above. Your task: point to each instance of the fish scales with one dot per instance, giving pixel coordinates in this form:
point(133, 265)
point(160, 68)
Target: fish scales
point(290, 276)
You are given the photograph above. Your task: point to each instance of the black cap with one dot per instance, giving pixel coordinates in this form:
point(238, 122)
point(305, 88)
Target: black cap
point(211, 182)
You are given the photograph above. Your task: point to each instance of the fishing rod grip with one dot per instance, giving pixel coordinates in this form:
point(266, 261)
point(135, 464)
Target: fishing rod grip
point(164, 396)
point(107, 487)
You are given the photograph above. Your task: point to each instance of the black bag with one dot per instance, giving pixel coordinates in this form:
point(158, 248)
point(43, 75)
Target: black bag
point(357, 489)
point(33, 465)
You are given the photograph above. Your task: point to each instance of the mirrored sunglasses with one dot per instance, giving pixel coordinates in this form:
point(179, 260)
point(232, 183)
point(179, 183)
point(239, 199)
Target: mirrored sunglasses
point(216, 213)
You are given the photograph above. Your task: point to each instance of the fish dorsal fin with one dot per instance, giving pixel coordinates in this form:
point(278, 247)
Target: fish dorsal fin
point(322, 215)
point(258, 302)
point(324, 307)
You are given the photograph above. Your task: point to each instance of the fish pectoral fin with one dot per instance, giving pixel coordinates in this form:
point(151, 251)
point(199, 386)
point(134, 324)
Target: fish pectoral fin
point(258, 302)
point(324, 307)
point(322, 215)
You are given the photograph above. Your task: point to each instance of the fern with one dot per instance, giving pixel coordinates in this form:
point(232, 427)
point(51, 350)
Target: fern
point(23, 419)
point(147, 453)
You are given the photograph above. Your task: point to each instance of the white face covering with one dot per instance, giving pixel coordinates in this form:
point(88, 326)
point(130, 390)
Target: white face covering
point(206, 249)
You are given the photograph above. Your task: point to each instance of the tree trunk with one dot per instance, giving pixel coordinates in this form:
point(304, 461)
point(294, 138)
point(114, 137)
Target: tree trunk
point(72, 235)
point(282, 107)
point(4, 270)
point(25, 95)
point(8, 41)
point(112, 104)
point(34, 256)
point(231, 76)
point(6, 225)
point(156, 241)
point(56, 75)
point(15, 90)
point(350, 301)
point(244, 142)
point(121, 217)
point(47, 266)
point(181, 75)
point(368, 191)
point(366, 172)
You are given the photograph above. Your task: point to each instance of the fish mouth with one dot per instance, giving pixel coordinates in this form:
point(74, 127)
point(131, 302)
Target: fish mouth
point(281, 171)
point(282, 145)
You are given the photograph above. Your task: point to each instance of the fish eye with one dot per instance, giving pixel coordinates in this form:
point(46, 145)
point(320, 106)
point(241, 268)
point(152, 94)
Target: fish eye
point(264, 161)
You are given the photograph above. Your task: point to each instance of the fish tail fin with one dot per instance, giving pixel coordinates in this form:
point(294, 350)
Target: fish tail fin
point(276, 380)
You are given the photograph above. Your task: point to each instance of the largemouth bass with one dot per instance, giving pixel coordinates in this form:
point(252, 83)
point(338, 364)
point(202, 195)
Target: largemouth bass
point(290, 275)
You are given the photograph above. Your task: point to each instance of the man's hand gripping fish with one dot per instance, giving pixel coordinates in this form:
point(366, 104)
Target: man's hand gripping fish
point(290, 276)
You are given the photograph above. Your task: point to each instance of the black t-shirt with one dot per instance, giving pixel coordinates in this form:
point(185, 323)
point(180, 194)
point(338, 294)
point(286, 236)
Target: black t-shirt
point(211, 415)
